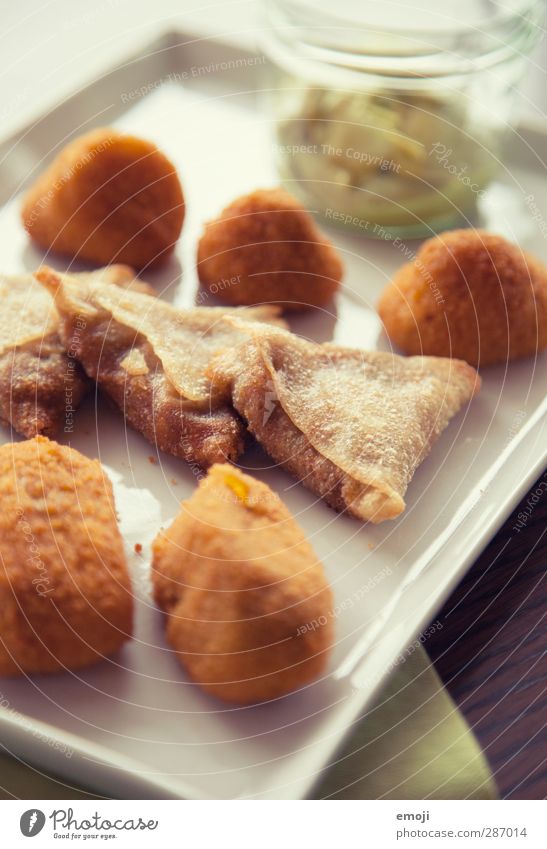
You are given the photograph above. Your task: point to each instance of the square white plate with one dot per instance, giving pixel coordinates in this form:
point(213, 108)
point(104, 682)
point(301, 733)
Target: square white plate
point(134, 726)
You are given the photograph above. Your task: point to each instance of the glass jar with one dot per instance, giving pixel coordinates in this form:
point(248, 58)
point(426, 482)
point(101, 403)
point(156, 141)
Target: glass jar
point(389, 116)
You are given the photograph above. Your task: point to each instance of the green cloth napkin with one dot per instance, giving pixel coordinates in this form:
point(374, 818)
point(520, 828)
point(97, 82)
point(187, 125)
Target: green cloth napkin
point(413, 744)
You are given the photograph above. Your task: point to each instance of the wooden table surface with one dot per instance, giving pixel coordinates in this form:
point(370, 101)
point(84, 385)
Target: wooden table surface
point(492, 649)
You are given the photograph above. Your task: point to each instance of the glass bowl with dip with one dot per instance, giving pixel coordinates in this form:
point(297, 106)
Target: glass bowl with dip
point(390, 117)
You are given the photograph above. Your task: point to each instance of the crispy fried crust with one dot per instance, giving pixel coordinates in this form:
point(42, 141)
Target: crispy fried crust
point(249, 609)
point(151, 405)
point(120, 275)
point(470, 295)
point(40, 386)
point(126, 365)
point(107, 197)
point(65, 592)
point(265, 248)
point(149, 402)
point(352, 425)
point(253, 396)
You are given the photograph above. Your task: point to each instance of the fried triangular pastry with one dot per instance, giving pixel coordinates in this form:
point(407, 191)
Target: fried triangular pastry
point(151, 358)
point(352, 425)
point(40, 386)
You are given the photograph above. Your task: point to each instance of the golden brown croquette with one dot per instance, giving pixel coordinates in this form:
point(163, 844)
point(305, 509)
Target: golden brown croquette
point(265, 248)
point(470, 295)
point(248, 604)
point(107, 197)
point(65, 592)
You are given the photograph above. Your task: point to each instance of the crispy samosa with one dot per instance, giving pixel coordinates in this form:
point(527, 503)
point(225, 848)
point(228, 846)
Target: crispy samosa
point(352, 425)
point(40, 386)
point(151, 358)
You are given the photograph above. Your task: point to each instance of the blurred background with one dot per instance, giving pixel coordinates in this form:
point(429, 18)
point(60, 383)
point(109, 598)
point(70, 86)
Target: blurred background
point(49, 48)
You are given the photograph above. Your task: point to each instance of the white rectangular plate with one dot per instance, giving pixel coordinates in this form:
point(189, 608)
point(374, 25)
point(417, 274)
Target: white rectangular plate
point(134, 726)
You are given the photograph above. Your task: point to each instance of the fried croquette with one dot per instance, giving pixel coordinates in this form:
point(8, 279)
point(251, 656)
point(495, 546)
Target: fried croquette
point(65, 592)
point(265, 248)
point(352, 425)
point(470, 295)
point(107, 197)
point(247, 602)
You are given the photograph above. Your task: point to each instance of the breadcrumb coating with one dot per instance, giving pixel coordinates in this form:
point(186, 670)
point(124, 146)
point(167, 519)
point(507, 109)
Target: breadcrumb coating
point(471, 295)
point(265, 248)
point(65, 592)
point(248, 604)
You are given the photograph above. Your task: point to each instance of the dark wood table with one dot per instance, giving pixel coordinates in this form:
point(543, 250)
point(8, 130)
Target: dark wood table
point(492, 650)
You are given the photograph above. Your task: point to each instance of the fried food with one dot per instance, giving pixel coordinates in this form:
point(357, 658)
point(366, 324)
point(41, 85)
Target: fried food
point(248, 604)
point(265, 248)
point(65, 592)
point(468, 294)
point(107, 197)
point(150, 358)
point(40, 385)
point(118, 275)
point(352, 425)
